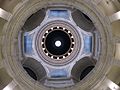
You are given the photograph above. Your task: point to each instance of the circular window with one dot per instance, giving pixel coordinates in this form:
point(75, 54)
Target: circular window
point(58, 43)
point(59, 38)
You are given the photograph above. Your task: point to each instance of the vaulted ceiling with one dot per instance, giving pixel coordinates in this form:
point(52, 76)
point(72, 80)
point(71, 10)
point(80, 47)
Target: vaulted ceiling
point(14, 15)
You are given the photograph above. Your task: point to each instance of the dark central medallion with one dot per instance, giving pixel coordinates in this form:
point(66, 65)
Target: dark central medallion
point(58, 42)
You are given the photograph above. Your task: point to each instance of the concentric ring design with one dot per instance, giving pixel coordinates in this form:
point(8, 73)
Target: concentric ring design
point(70, 47)
point(10, 48)
point(62, 26)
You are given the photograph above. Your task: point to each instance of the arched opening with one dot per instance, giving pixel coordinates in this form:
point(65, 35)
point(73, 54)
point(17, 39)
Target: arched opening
point(30, 72)
point(86, 71)
point(34, 69)
point(82, 20)
point(82, 68)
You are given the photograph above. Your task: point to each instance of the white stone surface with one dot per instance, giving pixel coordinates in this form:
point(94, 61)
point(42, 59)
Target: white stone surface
point(4, 14)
